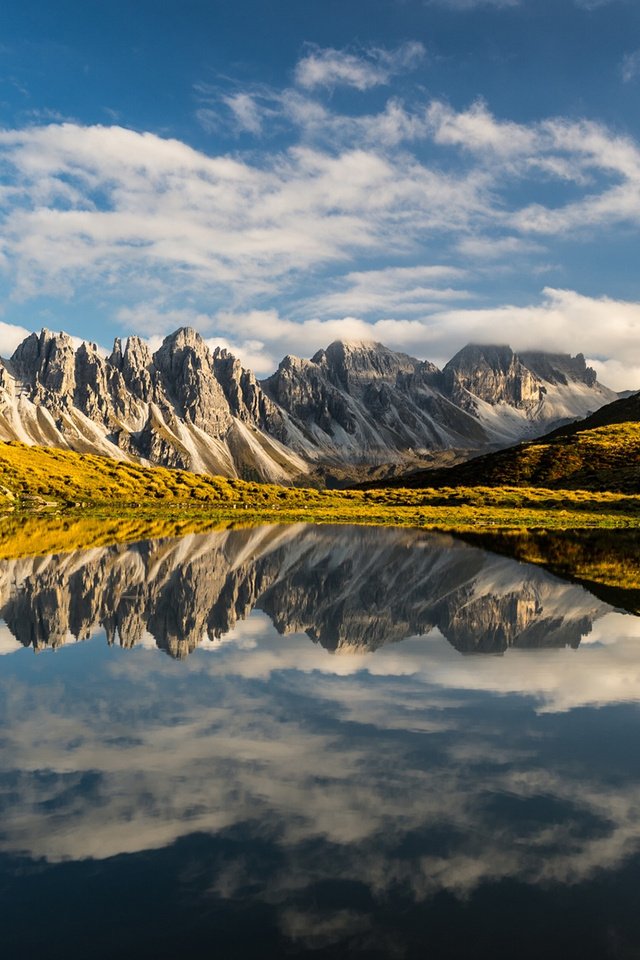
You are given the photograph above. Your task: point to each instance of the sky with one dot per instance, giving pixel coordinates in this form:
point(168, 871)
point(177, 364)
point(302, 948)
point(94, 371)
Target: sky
point(282, 174)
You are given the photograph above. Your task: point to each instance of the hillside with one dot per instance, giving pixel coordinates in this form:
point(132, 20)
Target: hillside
point(601, 452)
point(607, 563)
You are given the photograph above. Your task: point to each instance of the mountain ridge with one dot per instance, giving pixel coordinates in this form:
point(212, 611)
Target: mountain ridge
point(354, 407)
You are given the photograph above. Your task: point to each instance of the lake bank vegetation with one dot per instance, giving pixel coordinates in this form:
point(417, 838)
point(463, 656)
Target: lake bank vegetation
point(56, 500)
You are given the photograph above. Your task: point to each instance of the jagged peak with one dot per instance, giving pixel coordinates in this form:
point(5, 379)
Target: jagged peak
point(224, 355)
point(184, 337)
point(352, 344)
point(86, 348)
point(37, 343)
point(341, 349)
point(138, 347)
point(293, 362)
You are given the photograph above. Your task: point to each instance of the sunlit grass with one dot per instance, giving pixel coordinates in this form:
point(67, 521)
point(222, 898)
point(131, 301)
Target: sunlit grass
point(604, 458)
point(56, 500)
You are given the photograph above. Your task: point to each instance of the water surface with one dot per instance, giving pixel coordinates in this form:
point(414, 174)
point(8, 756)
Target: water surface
point(316, 741)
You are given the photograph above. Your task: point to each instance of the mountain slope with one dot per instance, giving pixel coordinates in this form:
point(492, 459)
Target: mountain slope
point(601, 452)
point(352, 408)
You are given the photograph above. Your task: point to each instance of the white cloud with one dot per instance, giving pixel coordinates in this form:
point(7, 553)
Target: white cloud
point(392, 291)
point(110, 205)
point(140, 220)
point(607, 331)
point(246, 111)
point(11, 335)
point(327, 67)
point(497, 248)
point(630, 68)
point(477, 130)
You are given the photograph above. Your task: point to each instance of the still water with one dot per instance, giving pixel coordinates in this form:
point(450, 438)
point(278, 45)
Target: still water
point(316, 741)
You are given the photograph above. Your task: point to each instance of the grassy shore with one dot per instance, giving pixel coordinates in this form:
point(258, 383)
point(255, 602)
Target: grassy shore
point(56, 500)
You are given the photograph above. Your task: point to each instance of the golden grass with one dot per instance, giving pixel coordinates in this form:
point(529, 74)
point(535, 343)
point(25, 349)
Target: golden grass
point(602, 458)
point(89, 500)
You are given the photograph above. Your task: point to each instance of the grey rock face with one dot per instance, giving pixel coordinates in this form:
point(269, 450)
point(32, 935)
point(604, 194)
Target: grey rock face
point(385, 400)
point(177, 407)
point(494, 374)
point(46, 362)
point(302, 388)
point(186, 379)
point(136, 367)
point(498, 375)
point(559, 368)
point(246, 398)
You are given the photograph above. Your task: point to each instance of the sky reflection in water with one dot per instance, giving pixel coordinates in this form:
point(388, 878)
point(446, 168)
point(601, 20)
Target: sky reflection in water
point(327, 768)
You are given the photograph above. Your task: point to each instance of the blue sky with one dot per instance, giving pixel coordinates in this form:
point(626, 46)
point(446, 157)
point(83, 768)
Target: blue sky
point(421, 172)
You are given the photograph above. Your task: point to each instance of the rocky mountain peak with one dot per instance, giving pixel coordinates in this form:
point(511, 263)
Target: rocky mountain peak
point(46, 362)
point(354, 364)
point(184, 347)
point(498, 357)
point(185, 366)
point(246, 398)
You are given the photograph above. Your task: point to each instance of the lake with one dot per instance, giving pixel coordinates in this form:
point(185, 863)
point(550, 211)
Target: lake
point(293, 741)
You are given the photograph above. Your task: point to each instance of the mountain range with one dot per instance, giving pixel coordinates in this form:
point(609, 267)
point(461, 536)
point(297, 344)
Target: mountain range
point(354, 410)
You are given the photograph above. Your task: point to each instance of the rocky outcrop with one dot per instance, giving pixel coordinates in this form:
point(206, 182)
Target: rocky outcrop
point(349, 589)
point(353, 407)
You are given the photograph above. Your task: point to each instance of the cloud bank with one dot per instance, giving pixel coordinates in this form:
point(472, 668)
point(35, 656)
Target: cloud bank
point(391, 223)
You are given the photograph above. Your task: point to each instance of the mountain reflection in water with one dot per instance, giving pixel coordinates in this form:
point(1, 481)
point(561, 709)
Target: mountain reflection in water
point(267, 798)
point(348, 588)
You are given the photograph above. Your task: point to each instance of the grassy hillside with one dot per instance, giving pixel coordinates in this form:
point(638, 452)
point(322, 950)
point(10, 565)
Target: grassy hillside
point(599, 453)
